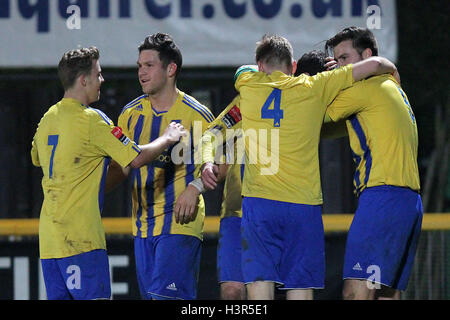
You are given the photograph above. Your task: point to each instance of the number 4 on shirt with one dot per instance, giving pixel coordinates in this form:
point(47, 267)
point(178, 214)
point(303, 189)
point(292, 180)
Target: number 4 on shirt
point(52, 141)
point(276, 113)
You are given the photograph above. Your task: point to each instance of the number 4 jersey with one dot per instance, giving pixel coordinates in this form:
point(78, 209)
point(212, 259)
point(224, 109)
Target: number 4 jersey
point(73, 145)
point(281, 119)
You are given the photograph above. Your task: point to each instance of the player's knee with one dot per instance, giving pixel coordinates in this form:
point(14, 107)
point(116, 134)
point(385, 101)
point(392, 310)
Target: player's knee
point(232, 291)
point(348, 293)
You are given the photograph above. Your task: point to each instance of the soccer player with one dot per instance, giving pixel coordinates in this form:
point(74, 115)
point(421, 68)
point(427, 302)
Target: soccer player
point(282, 231)
point(229, 248)
point(73, 145)
point(382, 240)
point(167, 225)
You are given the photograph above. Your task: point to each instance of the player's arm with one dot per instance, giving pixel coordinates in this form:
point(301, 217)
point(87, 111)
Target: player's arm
point(34, 155)
point(117, 174)
point(185, 207)
point(347, 103)
point(213, 140)
point(373, 66)
point(150, 151)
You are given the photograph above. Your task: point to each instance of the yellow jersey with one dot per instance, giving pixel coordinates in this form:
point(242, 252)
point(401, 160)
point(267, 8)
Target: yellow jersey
point(281, 119)
point(72, 145)
point(232, 198)
point(382, 130)
point(156, 186)
point(225, 135)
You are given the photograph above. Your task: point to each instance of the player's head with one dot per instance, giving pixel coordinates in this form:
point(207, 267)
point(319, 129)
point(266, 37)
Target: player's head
point(275, 53)
point(352, 44)
point(159, 63)
point(311, 63)
point(80, 70)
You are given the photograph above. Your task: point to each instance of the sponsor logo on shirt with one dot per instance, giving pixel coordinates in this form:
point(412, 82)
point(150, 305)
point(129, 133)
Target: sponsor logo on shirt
point(232, 117)
point(117, 132)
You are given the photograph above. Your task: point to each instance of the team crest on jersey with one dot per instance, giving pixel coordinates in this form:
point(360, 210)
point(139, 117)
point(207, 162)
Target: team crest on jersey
point(232, 117)
point(117, 132)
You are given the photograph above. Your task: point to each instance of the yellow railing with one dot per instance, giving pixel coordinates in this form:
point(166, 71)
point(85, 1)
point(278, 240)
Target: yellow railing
point(122, 226)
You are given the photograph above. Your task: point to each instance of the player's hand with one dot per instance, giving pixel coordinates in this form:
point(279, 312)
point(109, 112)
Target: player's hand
point(210, 172)
point(186, 204)
point(330, 64)
point(174, 132)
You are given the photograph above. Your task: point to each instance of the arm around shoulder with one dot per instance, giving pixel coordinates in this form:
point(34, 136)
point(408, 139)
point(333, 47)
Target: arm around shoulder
point(372, 66)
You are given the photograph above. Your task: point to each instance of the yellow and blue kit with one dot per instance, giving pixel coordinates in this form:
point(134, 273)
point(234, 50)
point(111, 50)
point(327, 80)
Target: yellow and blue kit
point(289, 112)
point(382, 132)
point(73, 145)
point(156, 187)
point(383, 137)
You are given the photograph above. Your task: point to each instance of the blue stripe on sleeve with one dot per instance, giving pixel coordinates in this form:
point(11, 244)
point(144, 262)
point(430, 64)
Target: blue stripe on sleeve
point(206, 114)
point(104, 116)
point(133, 103)
point(363, 142)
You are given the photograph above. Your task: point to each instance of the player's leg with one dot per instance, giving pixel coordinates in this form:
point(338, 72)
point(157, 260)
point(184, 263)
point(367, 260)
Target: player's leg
point(230, 290)
point(229, 268)
point(355, 289)
point(87, 275)
point(261, 246)
point(143, 252)
point(176, 267)
point(381, 242)
point(54, 282)
point(261, 290)
point(300, 294)
point(302, 266)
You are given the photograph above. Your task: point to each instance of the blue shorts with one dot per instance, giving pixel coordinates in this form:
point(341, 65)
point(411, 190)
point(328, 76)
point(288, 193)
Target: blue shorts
point(84, 276)
point(382, 240)
point(167, 266)
point(229, 250)
point(283, 243)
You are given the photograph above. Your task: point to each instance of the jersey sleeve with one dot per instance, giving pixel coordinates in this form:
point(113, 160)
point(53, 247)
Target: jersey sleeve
point(328, 84)
point(243, 77)
point(34, 155)
point(216, 133)
point(111, 141)
point(348, 102)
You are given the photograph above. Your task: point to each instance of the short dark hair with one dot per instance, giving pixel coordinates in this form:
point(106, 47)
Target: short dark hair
point(362, 38)
point(75, 63)
point(311, 62)
point(274, 50)
point(167, 49)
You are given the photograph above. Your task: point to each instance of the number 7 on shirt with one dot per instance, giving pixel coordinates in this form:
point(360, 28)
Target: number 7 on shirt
point(276, 113)
point(52, 141)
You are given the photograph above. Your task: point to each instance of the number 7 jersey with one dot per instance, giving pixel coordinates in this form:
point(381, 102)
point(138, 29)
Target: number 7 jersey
point(73, 145)
point(281, 119)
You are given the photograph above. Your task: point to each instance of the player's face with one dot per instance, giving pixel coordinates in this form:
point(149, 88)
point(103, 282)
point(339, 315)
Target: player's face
point(94, 82)
point(153, 76)
point(345, 53)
